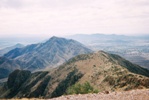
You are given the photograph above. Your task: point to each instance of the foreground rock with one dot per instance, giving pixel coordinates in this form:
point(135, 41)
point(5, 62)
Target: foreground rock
point(127, 95)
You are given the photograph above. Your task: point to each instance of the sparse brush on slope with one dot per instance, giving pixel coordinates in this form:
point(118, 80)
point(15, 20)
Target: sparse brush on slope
point(81, 89)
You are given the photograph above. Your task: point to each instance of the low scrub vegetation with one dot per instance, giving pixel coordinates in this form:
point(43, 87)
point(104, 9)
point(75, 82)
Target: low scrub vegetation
point(81, 89)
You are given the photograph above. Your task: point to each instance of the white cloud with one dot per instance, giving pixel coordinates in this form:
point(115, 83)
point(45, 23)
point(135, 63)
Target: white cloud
point(58, 17)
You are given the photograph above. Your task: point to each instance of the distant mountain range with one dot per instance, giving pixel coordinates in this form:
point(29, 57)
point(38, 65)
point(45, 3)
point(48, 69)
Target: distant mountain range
point(34, 57)
point(7, 49)
point(132, 48)
point(104, 71)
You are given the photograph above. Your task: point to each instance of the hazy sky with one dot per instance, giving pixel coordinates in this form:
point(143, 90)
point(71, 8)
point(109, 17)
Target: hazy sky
point(45, 18)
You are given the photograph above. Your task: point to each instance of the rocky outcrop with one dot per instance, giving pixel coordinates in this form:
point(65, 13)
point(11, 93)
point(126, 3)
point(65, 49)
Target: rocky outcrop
point(17, 78)
point(15, 81)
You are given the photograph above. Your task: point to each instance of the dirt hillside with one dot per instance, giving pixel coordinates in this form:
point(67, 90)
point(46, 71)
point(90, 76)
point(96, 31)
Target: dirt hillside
point(125, 95)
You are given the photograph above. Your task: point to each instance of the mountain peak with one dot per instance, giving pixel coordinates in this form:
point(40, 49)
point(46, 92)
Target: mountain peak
point(61, 41)
point(19, 44)
point(54, 37)
point(51, 53)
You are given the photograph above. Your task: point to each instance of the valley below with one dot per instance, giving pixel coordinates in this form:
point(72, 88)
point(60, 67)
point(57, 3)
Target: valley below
point(132, 48)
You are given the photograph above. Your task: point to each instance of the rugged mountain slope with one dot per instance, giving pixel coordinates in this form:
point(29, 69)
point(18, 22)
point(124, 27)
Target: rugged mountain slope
point(5, 50)
point(34, 57)
point(106, 72)
point(7, 66)
point(52, 53)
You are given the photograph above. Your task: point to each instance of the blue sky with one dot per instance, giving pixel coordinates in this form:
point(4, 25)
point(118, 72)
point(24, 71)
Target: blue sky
point(45, 18)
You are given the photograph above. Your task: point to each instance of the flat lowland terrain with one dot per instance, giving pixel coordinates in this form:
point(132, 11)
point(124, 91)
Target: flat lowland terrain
point(126, 95)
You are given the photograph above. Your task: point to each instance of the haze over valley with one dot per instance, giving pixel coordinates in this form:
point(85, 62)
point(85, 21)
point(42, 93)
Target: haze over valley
point(133, 48)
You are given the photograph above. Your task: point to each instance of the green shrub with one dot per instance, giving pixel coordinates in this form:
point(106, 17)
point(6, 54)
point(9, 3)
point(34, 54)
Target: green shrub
point(81, 89)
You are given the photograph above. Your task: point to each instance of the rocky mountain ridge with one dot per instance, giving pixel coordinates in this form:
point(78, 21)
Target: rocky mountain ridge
point(51, 53)
point(7, 49)
point(105, 72)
